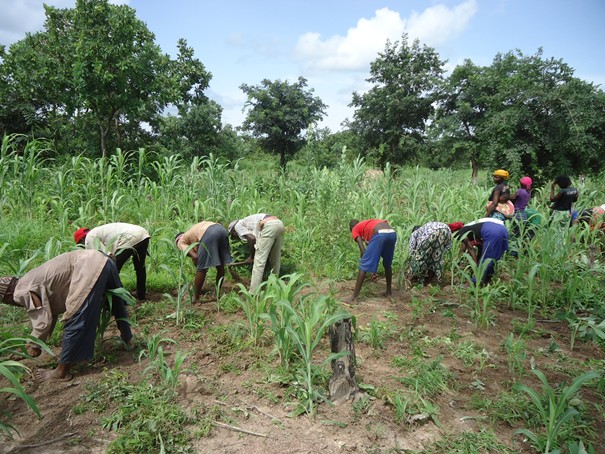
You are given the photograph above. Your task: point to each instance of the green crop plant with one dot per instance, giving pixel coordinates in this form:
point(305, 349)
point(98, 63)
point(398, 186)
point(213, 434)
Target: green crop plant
point(157, 360)
point(12, 370)
point(516, 354)
point(184, 291)
point(554, 407)
point(255, 306)
point(106, 313)
point(586, 327)
point(307, 323)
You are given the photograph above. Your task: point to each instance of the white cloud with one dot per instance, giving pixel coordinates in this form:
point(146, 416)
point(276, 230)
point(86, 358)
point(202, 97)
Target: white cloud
point(355, 50)
point(437, 24)
point(361, 44)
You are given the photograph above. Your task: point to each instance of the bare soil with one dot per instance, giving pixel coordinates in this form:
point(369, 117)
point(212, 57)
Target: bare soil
point(233, 383)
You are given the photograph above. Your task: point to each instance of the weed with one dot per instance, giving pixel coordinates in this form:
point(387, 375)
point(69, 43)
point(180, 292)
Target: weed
point(376, 333)
point(470, 354)
point(557, 411)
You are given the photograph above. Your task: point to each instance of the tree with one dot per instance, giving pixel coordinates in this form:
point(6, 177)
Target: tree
point(524, 113)
point(94, 78)
point(279, 113)
point(461, 112)
point(391, 117)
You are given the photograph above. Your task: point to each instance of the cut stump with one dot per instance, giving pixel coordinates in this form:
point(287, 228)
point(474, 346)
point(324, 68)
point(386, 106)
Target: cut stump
point(343, 386)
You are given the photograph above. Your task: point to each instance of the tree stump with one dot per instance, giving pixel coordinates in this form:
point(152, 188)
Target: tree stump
point(343, 386)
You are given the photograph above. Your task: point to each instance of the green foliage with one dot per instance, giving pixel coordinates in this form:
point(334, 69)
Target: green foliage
point(516, 354)
point(376, 333)
point(587, 327)
point(427, 377)
point(11, 371)
point(558, 410)
point(307, 322)
point(392, 115)
point(484, 441)
point(144, 416)
point(525, 113)
point(278, 113)
point(94, 75)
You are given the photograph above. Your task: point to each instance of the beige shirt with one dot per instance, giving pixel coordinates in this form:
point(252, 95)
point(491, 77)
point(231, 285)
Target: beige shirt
point(113, 237)
point(193, 235)
point(62, 284)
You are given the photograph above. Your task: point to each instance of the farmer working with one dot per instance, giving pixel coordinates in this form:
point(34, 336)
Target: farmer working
point(211, 249)
point(123, 241)
point(375, 239)
point(72, 284)
point(492, 236)
point(264, 235)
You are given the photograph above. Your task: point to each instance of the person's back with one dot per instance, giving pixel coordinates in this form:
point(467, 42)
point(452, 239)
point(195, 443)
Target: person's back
point(566, 200)
point(522, 199)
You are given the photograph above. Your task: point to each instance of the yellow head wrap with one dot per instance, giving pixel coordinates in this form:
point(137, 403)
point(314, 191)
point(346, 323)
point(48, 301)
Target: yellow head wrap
point(502, 173)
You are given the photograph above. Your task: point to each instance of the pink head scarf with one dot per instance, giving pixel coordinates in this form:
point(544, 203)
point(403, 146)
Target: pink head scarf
point(527, 182)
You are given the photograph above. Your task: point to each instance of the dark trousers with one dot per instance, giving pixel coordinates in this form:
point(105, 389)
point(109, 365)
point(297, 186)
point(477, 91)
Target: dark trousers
point(79, 332)
point(138, 253)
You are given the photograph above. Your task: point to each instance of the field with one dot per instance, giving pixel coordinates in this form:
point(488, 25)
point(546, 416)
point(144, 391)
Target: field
point(512, 367)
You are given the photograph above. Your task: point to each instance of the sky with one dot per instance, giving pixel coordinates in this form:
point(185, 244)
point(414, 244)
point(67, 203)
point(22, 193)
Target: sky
point(331, 43)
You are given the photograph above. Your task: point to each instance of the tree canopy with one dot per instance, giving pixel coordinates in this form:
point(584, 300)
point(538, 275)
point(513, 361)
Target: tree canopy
point(278, 114)
point(391, 117)
point(96, 67)
point(525, 113)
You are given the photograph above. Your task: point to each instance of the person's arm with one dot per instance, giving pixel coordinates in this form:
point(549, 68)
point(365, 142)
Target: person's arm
point(554, 197)
point(250, 242)
point(43, 323)
point(361, 244)
point(468, 247)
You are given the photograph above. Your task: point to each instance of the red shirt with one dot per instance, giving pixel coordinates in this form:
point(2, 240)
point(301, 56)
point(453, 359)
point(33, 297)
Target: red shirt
point(365, 229)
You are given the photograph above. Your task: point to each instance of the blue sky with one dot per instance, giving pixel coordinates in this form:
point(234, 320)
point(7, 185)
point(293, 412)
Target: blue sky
point(332, 42)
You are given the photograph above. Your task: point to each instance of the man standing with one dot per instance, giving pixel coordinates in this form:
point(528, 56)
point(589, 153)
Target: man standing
point(211, 250)
point(72, 284)
point(123, 241)
point(380, 239)
point(264, 235)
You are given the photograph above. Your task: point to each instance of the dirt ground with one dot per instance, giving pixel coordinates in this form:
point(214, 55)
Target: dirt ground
point(335, 429)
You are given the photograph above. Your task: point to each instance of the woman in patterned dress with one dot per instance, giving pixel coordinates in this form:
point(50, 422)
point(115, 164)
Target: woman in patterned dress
point(428, 245)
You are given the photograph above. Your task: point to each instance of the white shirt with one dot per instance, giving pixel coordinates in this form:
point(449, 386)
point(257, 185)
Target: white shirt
point(249, 226)
point(110, 238)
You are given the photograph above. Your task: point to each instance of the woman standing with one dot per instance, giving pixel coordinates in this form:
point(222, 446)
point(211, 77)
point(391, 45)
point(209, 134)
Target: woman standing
point(562, 202)
point(500, 195)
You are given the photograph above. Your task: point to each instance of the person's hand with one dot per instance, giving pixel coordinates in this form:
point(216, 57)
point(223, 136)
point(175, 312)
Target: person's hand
point(249, 260)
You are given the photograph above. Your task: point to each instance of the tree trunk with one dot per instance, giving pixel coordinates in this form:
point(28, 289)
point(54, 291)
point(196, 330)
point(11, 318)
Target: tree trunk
point(475, 170)
point(342, 384)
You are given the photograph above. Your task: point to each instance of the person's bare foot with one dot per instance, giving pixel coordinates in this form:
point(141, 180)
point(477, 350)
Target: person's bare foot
point(43, 375)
